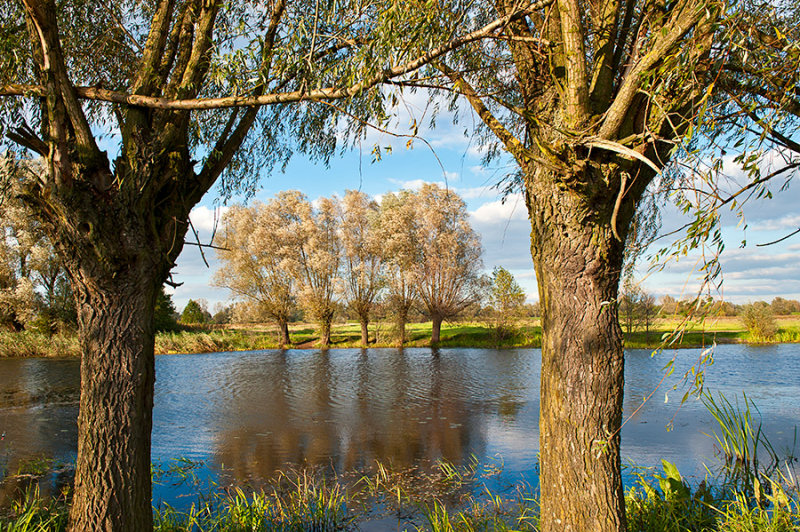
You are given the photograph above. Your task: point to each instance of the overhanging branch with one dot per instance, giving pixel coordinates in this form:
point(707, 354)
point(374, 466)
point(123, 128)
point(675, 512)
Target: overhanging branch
point(329, 93)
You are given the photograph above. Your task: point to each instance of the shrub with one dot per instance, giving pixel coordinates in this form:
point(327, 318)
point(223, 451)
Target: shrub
point(759, 321)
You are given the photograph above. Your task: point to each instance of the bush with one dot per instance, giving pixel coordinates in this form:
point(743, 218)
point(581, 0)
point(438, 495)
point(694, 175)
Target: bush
point(759, 321)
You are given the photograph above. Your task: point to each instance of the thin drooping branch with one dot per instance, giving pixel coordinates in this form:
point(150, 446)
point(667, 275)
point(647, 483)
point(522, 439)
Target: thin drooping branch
point(227, 145)
point(329, 93)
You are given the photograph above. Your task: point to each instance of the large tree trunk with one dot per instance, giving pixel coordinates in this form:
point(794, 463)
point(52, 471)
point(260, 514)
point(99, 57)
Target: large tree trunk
point(578, 262)
point(325, 332)
point(401, 317)
point(112, 472)
point(436, 328)
point(283, 327)
point(364, 331)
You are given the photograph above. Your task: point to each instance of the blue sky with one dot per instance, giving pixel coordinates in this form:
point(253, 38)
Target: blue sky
point(749, 273)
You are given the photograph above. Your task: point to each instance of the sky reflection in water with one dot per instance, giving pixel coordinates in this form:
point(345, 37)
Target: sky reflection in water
point(254, 413)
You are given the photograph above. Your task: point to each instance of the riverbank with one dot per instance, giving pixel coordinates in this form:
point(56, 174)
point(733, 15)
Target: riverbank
point(447, 498)
point(348, 335)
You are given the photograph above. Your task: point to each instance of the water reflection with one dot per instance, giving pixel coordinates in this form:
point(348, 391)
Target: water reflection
point(346, 409)
point(256, 412)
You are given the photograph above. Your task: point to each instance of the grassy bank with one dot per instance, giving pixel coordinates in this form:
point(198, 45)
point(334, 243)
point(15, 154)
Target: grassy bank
point(451, 499)
point(348, 335)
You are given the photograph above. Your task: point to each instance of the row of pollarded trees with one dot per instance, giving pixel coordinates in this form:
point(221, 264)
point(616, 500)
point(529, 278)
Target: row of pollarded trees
point(416, 247)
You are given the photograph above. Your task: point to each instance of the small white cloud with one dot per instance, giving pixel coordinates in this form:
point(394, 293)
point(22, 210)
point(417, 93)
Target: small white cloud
point(512, 208)
point(415, 184)
point(204, 219)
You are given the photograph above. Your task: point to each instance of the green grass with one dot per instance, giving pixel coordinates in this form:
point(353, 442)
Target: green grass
point(446, 499)
point(525, 333)
point(28, 344)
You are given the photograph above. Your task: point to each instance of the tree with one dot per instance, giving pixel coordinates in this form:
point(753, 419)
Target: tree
point(506, 297)
point(314, 256)
point(254, 259)
point(397, 234)
point(784, 307)
point(361, 260)
point(193, 314)
point(590, 99)
point(629, 307)
point(186, 85)
point(164, 315)
point(34, 290)
point(447, 255)
point(759, 321)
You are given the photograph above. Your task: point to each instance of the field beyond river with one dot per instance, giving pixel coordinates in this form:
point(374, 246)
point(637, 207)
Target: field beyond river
point(666, 332)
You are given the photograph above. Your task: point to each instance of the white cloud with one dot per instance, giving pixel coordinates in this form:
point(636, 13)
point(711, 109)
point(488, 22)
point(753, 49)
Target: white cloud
point(415, 184)
point(204, 219)
point(784, 222)
point(512, 208)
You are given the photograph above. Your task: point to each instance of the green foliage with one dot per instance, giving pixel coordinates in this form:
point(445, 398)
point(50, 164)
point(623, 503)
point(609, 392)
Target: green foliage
point(506, 295)
point(759, 321)
point(165, 313)
point(672, 508)
point(194, 314)
point(741, 441)
point(32, 513)
point(447, 498)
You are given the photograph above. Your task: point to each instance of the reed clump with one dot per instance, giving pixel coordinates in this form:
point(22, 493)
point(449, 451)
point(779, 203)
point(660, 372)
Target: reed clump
point(35, 344)
point(302, 501)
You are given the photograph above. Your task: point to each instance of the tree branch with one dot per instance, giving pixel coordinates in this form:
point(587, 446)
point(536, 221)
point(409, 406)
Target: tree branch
point(99, 94)
point(684, 20)
point(153, 48)
point(512, 143)
point(573, 36)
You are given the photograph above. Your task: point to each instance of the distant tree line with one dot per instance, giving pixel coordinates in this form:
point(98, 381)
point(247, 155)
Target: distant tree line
point(638, 310)
point(414, 251)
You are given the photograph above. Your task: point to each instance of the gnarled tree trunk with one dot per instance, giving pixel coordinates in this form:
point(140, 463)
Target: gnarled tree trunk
point(436, 328)
point(283, 327)
point(112, 472)
point(578, 262)
point(325, 332)
point(364, 331)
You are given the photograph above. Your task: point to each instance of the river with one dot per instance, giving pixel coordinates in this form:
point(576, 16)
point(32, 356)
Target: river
point(245, 415)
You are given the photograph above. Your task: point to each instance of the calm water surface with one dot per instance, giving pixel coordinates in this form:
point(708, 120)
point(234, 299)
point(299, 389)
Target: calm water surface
point(252, 413)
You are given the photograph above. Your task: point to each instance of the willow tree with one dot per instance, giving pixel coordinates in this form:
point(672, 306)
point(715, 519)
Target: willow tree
point(447, 255)
point(253, 254)
point(590, 99)
point(315, 257)
point(362, 264)
point(398, 236)
point(186, 91)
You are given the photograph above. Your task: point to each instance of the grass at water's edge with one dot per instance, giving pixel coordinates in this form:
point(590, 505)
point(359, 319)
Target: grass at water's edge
point(454, 500)
point(348, 335)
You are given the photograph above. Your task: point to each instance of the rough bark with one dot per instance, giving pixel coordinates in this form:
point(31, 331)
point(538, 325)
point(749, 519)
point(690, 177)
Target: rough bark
point(364, 331)
point(112, 471)
point(436, 329)
point(325, 333)
point(578, 263)
point(283, 326)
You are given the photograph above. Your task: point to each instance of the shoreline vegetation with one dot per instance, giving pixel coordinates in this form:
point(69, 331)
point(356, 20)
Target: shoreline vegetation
point(523, 334)
point(443, 498)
